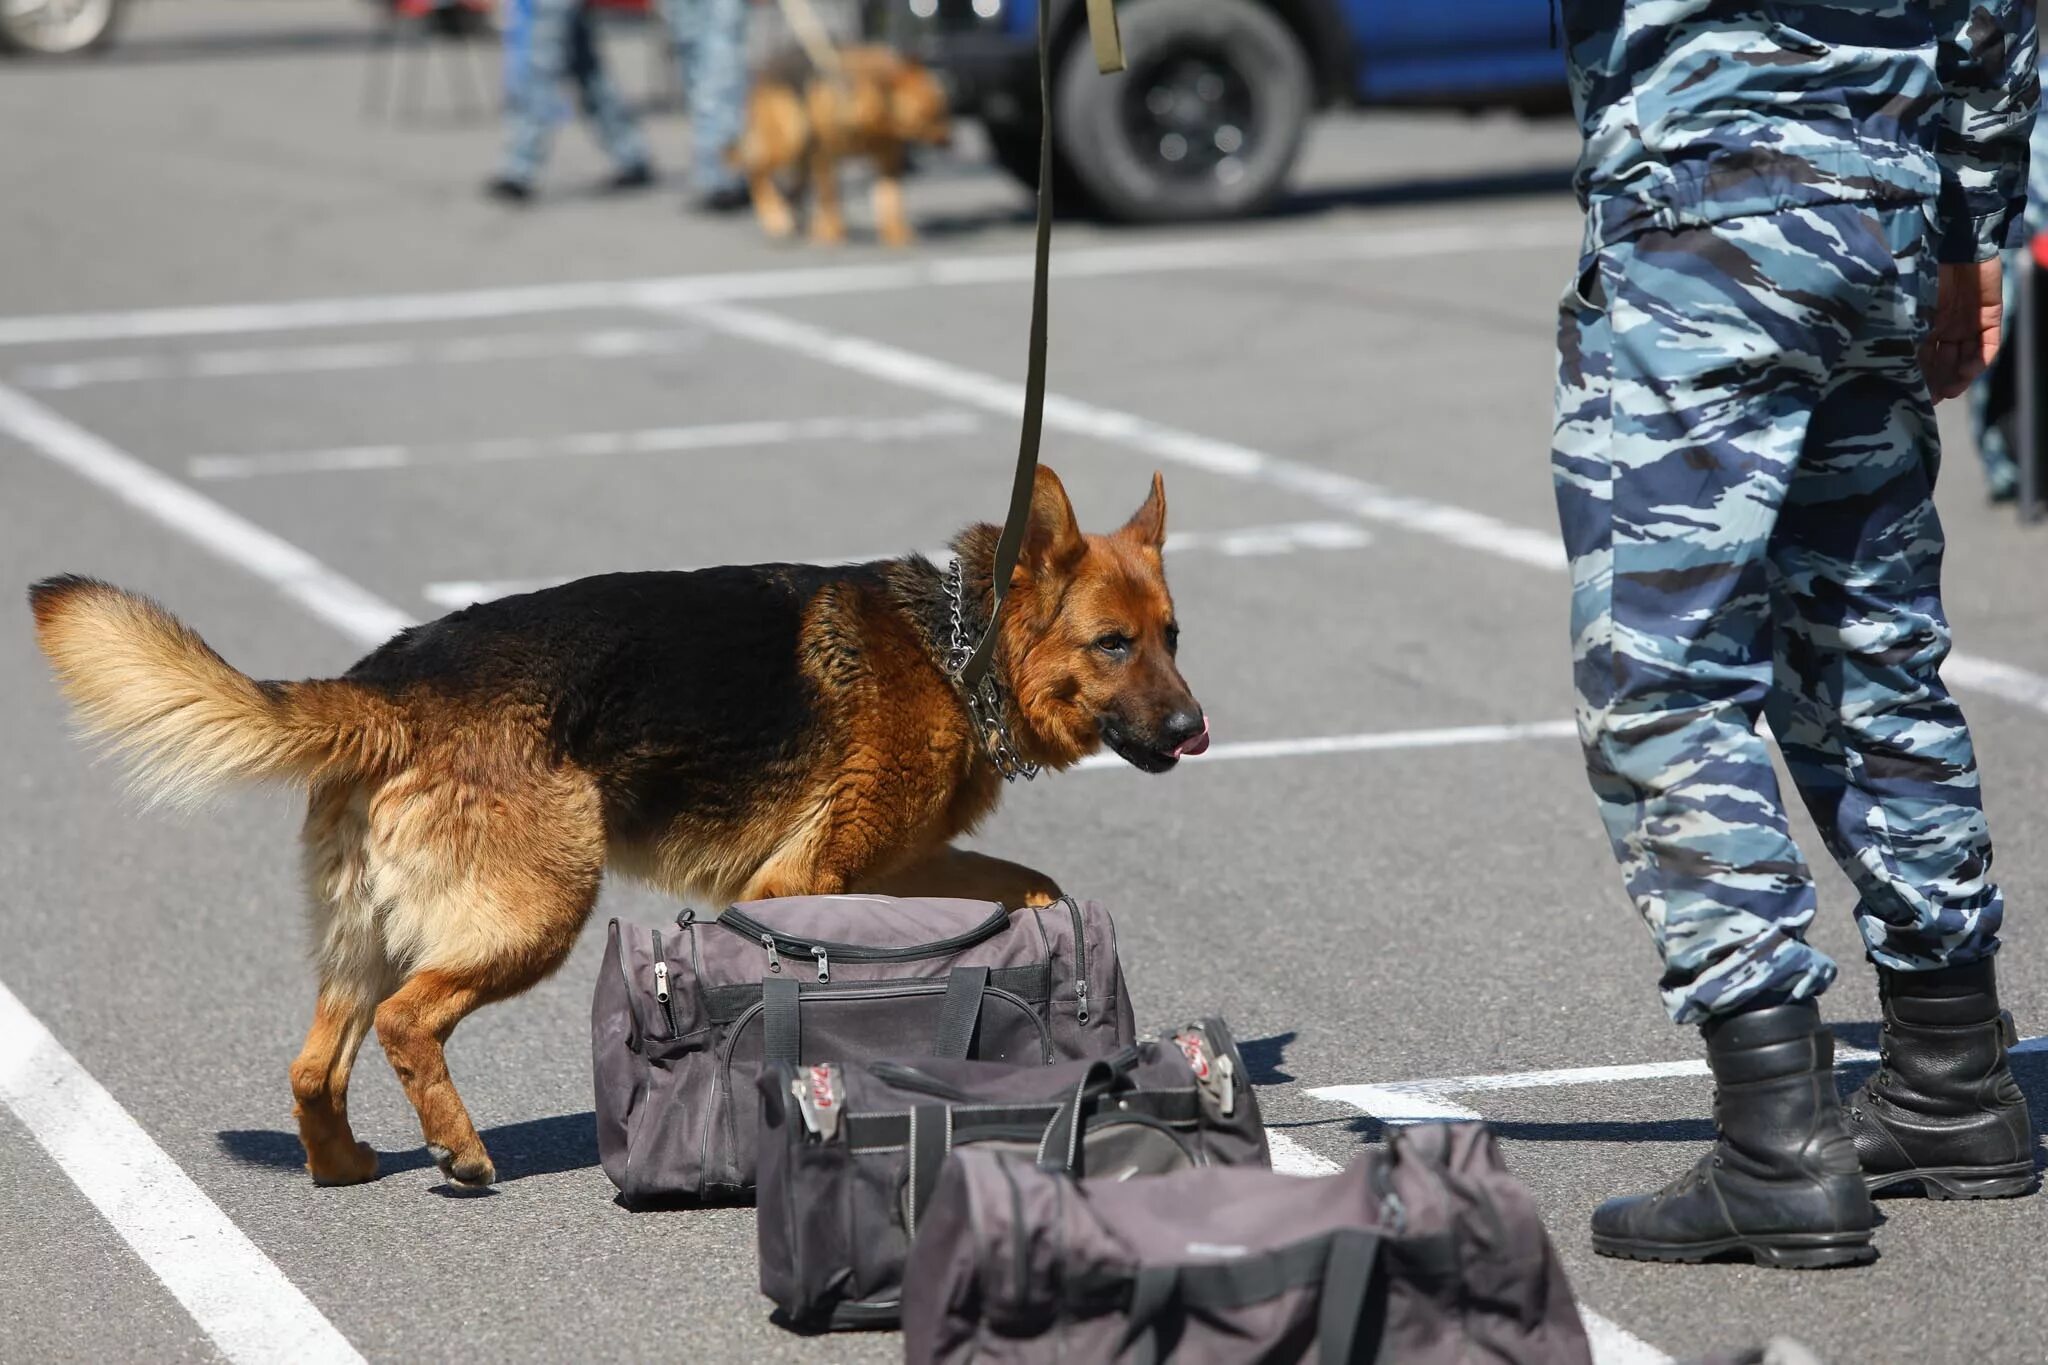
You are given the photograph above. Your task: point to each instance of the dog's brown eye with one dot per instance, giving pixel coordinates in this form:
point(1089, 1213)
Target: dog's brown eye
point(1114, 643)
point(1172, 639)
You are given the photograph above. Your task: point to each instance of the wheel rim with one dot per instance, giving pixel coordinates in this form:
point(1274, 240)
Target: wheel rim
point(55, 26)
point(1188, 114)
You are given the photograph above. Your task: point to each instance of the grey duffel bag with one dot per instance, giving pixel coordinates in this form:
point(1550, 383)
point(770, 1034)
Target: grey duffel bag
point(1426, 1252)
point(850, 1153)
point(685, 1014)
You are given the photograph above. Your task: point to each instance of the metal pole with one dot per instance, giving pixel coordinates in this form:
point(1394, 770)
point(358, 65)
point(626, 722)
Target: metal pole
point(2030, 447)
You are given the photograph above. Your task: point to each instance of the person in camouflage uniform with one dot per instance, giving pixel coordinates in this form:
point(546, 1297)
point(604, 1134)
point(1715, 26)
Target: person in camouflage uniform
point(1794, 210)
point(710, 39)
point(1993, 395)
point(548, 43)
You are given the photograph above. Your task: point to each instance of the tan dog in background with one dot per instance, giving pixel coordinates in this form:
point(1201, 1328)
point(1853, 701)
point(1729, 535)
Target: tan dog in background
point(806, 121)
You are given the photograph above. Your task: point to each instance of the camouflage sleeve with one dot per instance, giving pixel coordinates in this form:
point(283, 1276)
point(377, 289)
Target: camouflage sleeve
point(1989, 92)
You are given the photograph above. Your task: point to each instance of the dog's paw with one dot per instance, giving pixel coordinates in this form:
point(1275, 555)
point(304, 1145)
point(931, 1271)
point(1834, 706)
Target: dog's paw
point(353, 1170)
point(472, 1171)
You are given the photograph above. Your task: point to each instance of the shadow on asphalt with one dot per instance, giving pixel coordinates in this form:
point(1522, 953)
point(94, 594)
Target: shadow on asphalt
point(566, 1142)
point(1265, 1058)
point(1302, 204)
point(1426, 190)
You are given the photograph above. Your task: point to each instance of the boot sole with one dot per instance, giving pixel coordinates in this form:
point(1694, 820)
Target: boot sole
point(1960, 1182)
point(1789, 1251)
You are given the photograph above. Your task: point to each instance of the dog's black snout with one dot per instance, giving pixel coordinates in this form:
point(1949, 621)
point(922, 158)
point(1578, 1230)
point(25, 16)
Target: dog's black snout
point(1180, 727)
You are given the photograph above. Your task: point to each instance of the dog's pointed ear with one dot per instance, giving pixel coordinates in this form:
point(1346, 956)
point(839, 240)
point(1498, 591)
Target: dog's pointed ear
point(1052, 539)
point(1147, 525)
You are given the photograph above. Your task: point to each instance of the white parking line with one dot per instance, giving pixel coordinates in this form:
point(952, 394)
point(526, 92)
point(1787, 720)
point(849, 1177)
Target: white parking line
point(1612, 1344)
point(609, 344)
point(1354, 497)
point(348, 607)
point(233, 1291)
point(593, 445)
point(1247, 251)
point(1245, 542)
point(1459, 526)
point(1426, 1100)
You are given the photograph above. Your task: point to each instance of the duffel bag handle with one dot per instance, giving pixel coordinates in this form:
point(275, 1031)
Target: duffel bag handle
point(962, 1011)
point(782, 1020)
point(1060, 1148)
point(1351, 1306)
point(1353, 1312)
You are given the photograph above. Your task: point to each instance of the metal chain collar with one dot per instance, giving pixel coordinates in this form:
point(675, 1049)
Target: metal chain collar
point(984, 700)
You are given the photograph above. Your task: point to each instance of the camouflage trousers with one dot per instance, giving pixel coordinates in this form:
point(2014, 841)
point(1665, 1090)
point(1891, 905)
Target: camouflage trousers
point(547, 43)
point(1744, 462)
point(710, 38)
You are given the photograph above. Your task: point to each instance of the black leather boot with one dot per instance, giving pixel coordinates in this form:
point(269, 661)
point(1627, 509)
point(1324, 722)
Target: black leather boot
point(1943, 1111)
point(1782, 1185)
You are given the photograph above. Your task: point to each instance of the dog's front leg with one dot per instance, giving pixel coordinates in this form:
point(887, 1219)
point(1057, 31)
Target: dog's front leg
point(828, 224)
point(949, 871)
point(891, 224)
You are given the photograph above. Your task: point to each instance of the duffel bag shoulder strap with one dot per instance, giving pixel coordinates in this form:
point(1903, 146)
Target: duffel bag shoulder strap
point(964, 989)
point(1352, 1300)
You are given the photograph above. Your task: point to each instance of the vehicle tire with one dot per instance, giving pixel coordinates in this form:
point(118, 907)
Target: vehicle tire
point(1205, 120)
point(58, 28)
point(1015, 148)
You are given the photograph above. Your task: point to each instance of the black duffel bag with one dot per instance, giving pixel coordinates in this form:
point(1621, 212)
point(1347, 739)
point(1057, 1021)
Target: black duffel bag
point(685, 1014)
point(1426, 1252)
point(850, 1153)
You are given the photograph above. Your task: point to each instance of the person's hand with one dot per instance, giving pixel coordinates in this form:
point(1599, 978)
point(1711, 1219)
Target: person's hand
point(1963, 335)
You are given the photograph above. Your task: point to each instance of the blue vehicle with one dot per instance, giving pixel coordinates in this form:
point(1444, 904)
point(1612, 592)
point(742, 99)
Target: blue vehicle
point(1208, 117)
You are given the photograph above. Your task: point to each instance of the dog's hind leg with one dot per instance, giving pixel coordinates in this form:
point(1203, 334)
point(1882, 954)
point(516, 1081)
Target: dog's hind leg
point(354, 976)
point(949, 871)
point(490, 882)
point(320, 1090)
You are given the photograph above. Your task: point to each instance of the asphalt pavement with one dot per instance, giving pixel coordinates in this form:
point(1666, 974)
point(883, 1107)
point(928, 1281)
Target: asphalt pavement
point(223, 280)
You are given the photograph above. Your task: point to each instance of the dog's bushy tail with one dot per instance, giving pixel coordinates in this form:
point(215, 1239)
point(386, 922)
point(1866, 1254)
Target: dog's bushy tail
point(185, 722)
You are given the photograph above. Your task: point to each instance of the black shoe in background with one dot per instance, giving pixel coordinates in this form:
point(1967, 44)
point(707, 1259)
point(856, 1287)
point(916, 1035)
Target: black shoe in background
point(635, 177)
point(506, 190)
point(1943, 1111)
point(1782, 1184)
point(728, 199)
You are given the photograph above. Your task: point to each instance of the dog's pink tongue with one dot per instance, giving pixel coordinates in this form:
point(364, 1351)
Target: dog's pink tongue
point(1198, 745)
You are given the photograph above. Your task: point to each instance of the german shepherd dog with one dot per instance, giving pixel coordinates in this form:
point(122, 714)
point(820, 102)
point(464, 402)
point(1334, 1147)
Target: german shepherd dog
point(803, 121)
point(726, 734)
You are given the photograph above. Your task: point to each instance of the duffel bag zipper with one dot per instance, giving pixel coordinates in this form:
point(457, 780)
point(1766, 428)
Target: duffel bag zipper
point(742, 923)
point(661, 992)
point(1080, 961)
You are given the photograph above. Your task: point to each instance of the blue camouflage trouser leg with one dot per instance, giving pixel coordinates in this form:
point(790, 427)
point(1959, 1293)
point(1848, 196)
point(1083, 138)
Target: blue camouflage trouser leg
point(711, 57)
point(560, 44)
point(1744, 462)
